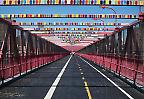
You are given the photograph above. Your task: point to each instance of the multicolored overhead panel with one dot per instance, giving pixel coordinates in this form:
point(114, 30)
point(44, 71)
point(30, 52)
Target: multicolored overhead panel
point(99, 16)
point(64, 34)
point(73, 2)
point(70, 29)
point(71, 24)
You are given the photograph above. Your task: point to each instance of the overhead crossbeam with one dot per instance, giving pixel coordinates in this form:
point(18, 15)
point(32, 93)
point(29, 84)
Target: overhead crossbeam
point(70, 24)
point(73, 2)
point(71, 34)
point(69, 29)
point(65, 32)
point(101, 16)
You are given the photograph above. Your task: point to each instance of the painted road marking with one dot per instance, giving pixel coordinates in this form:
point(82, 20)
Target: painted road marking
point(85, 84)
point(78, 64)
point(129, 96)
point(54, 85)
point(87, 89)
point(83, 78)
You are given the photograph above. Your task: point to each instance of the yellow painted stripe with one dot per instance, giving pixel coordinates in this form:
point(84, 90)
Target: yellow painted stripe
point(13, 2)
point(27, 1)
point(87, 89)
point(107, 1)
point(57, 2)
point(2, 16)
point(98, 1)
point(141, 2)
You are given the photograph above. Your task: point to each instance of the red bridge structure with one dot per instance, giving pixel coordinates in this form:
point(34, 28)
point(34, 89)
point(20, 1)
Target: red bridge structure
point(22, 51)
point(73, 60)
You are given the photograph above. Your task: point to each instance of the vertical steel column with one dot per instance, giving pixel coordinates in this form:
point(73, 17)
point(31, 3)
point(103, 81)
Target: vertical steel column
point(3, 55)
point(119, 53)
point(137, 57)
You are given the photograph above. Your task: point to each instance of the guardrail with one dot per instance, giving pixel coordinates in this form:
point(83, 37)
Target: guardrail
point(122, 66)
point(21, 51)
point(14, 69)
point(121, 52)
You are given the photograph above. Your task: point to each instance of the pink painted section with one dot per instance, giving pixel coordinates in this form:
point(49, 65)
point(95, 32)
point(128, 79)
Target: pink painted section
point(73, 48)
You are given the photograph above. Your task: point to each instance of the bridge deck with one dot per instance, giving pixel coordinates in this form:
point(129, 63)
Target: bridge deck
point(76, 80)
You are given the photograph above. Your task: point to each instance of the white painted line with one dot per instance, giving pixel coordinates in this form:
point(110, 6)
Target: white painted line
point(83, 78)
point(130, 97)
point(54, 85)
point(78, 64)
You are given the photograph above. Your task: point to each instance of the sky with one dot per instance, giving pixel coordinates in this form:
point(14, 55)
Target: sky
point(68, 10)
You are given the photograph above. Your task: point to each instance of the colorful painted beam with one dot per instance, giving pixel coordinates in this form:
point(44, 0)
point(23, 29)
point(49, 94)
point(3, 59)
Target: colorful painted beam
point(100, 16)
point(70, 24)
point(70, 29)
point(73, 2)
point(65, 33)
point(71, 33)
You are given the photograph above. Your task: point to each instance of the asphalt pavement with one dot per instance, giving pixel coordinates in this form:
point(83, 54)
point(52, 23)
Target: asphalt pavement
point(70, 78)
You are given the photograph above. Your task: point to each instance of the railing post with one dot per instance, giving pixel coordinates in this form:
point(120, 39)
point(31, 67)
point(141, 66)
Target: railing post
point(30, 60)
point(20, 68)
point(121, 58)
point(117, 66)
point(110, 61)
point(103, 60)
point(26, 64)
point(35, 62)
point(136, 71)
point(13, 65)
point(43, 59)
point(2, 72)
